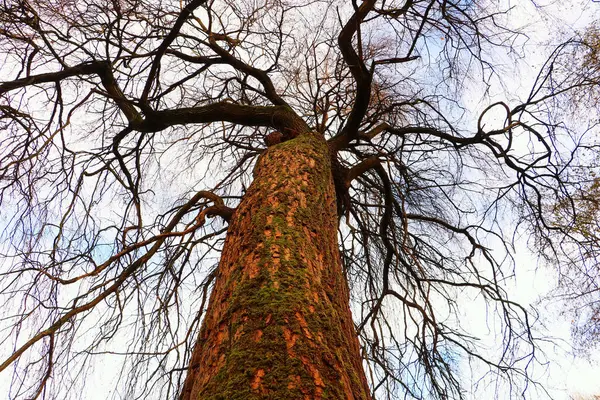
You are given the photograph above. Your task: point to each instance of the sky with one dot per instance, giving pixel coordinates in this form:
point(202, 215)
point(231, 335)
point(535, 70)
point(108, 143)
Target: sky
point(564, 374)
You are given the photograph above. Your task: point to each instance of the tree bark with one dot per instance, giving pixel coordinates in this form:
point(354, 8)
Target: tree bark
point(278, 324)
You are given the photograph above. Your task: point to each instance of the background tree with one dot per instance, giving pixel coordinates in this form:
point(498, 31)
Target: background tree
point(584, 397)
point(125, 124)
point(573, 242)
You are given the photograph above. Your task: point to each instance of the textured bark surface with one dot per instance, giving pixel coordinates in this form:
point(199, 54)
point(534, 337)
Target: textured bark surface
point(278, 325)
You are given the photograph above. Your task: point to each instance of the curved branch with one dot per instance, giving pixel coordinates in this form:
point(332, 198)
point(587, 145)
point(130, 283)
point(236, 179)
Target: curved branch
point(405, 130)
point(88, 68)
point(361, 168)
point(361, 74)
point(281, 118)
point(218, 209)
point(259, 74)
point(101, 68)
point(183, 15)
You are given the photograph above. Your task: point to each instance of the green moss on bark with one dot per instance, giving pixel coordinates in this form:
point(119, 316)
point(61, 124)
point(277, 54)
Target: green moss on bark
point(278, 324)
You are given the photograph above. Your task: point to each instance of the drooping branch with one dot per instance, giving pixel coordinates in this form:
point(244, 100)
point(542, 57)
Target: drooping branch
point(78, 70)
point(395, 60)
point(101, 68)
point(439, 221)
point(195, 59)
point(157, 241)
point(386, 220)
point(218, 209)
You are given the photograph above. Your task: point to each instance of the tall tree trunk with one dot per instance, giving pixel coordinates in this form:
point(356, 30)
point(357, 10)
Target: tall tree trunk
point(278, 324)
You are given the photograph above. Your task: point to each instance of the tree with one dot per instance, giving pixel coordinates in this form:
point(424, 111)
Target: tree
point(583, 397)
point(328, 143)
point(573, 243)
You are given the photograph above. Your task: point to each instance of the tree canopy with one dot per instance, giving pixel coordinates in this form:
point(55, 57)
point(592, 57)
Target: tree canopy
point(129, 130)
point(575, 250)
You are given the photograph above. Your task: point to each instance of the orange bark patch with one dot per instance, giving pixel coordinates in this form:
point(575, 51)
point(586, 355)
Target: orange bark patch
point(317, 379)
point(257, 381)
point(315, 270)
point(251, 266)
point(239, 332)
point(221, 334)
point(275, 259)
point(319, 384)
point(303, 325)
point(321, 261)
point(290, 340)
point(320, 337)
point(294, 382)
point(258, 335)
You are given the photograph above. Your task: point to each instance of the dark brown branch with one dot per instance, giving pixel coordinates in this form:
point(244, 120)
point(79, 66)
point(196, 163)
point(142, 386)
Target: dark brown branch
point(421, 26)
point(183, 15)
point(195, 59)
point(395, 13)
point(101, 68)
point(280, 118)
point(406, 130)
point(110, 84)
point(259, 74)
point(384, 223)
point(435, 132)
point(361, 74)
point(441, 222)
point(81, 69)
point(361, 168)
point(367, 136)
point(215, 198)
point(217, 210)
point(396, 60)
